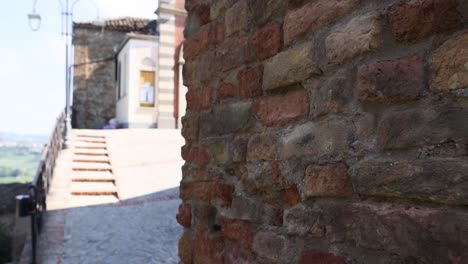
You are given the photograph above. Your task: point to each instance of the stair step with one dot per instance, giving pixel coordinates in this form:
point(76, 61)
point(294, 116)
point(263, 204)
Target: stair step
point(93, 188)
point(90, 140)
point(91, 152)
point(88, 145)
point(88, 166)
point(88, 158)
point(90, 176)
point(90, 136)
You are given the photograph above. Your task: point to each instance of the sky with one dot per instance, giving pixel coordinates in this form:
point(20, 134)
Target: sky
point(32, 64)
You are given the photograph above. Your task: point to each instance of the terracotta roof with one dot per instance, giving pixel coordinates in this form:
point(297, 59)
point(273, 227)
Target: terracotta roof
point(123, 24)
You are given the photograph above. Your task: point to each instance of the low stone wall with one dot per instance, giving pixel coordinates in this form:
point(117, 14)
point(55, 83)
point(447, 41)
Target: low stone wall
point(326, 131)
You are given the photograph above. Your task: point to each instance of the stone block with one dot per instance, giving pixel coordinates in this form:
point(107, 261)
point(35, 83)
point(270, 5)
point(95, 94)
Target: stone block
point(261, 147)
point(237, 230)
point(436, 180)
point(225, 119)
point(449, 67)
point(197, 155)
point(359, 36)
point(226, 91)
point(417, 19)
point(302, 220)
point(184, 216)
point(266, 11)
point(297, 64)
point(208, 248)
point(236, 17)
point(282, 109)
point(391, 81)
point(197, 43)
point(235, 255)
point(314, 15)
point(190, 126)
point(317, 256)
point(330, 180)
point(330, 137)
point(199, 99)
point(185, 248)
point(233, 53)
point(270, 246)
point(204, 216)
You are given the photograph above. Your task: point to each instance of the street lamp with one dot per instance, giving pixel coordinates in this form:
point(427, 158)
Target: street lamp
point(67, 18)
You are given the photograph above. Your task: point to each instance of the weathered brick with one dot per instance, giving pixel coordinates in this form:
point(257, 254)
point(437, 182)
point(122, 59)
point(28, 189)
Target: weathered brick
point(327, 180)
point(197, 43)
point(331, 95)
point(266, 11)
point(267, 41)
point(316, 256)
point(236, 17)
point(314, 15)
point(433, 124)
point(291, 195)
point(282, 109)
point(420, 179)
point(188, 73)
point(208, 248)
point(269, 245)
point(297, 64)
point(303, 220)
point(245, 208)
point(225, 119)
point(232, 53)
point(190, 126)
point(390, 81)
point(204, 216)
point(236, 255)
point(250, 82)
point(184, 216)
point(225, 192)
point(359, 36)
point(417, 19)
point(261, 147)
point(197, 190)
point(190, 4)
point(199, 99)
point(418, 233)
point(203, 13)
point(449, 69)
point(238, 149)
point(218, 32)
point(185, 247)
point(198, 155)
point(236, 230)
point(329, 137)
point(227, 91)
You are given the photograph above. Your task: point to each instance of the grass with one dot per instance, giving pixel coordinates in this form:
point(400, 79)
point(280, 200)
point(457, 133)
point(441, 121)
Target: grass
point(18, 164)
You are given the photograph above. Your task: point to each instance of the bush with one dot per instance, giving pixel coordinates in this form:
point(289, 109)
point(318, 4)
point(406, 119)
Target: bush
point(5, 244)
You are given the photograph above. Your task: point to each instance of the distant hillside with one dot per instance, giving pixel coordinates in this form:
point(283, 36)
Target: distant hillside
point(23, 138)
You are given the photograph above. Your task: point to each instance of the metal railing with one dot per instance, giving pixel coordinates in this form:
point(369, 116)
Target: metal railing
point(34, 204)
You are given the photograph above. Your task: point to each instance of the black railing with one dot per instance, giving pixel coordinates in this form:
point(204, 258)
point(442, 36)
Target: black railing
point(36, 201)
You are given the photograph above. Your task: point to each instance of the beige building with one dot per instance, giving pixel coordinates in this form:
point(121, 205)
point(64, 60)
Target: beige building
point(143, 57)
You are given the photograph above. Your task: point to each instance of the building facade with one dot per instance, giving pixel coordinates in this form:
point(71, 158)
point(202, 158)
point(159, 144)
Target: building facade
point(127, 69)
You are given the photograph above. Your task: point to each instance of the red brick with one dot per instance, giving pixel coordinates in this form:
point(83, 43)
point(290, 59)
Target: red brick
point(197, 43)
point(225, 192)
point(327, 180)
point(291, 195)
point(198, 155)
point(208, 248)
point(250, 82)
point(388, 81)
point(227, 91)
point(319, 257)
point(314, 15)
point(218, 32)
point(261, 147)
point(184, 216)
point(199, 99)
point(190, 127)
point(186, 249)
point(237, 230)
point(417, 19)
point(203, 13)
point(282, 109)
point(267, 41)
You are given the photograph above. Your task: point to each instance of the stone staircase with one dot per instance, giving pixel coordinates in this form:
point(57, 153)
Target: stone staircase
point(92, 178)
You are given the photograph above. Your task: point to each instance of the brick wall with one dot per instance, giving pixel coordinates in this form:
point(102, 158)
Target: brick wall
point(326, 131)
point(94, 94)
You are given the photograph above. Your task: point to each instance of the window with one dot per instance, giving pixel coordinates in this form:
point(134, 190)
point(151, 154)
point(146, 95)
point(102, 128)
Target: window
point(147, 88)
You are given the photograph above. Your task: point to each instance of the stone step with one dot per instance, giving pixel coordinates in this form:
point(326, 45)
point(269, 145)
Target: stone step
point(89, 200)
point(90, 136)
point(93, 188)
point(88, 166)
point(88, 145)
point(91, 158)
point(90, 176)
point(89, 140)
point(91, 152)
